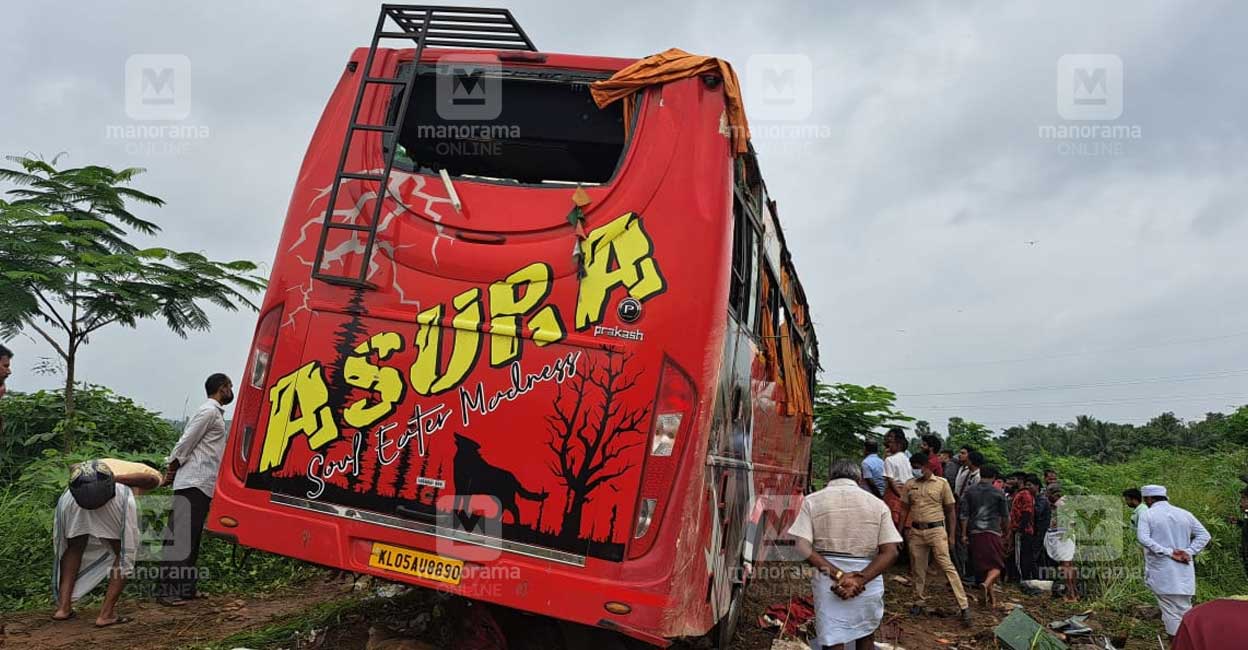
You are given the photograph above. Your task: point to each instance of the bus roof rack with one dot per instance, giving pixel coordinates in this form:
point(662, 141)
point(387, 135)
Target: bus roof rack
point(427, 26)
point(458, 27)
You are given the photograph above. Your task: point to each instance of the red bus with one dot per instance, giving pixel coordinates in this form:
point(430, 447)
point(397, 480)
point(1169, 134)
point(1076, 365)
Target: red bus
point(562, 363)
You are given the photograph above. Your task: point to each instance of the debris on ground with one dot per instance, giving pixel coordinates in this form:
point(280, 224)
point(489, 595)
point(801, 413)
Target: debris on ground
point(1036, 587)
point(380, 639)
point(790, 618)
point(1021, 632)
point(1072, 626)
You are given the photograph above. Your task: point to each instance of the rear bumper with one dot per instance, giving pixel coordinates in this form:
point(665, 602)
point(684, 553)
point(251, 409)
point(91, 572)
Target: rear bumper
point(559, 585)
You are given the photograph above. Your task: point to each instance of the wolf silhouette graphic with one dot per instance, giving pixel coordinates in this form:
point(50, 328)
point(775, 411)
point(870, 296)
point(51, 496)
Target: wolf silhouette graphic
point(474, 476)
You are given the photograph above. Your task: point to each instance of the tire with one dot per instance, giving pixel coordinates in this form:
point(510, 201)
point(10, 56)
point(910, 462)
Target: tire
point(727, 628)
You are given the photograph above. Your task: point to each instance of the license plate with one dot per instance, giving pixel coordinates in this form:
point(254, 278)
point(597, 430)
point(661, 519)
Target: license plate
point(415, 563)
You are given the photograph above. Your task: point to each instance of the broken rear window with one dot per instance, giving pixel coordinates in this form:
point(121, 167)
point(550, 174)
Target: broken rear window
point(525, 126)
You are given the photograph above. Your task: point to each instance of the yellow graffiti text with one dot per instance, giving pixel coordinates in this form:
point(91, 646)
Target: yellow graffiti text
point(300, 407)
point(617, 254)
point(513, 298)
point(428, 375)
point(386, 383)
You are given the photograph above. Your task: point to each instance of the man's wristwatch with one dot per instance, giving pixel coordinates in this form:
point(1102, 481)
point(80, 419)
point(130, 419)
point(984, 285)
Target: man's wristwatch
point(839, 574)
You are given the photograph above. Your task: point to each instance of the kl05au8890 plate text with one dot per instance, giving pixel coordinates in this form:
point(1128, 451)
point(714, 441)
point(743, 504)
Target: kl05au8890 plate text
point(415, 563)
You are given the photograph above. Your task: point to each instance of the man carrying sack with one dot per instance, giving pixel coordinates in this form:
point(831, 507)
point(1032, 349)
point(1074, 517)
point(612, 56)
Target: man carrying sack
point(95, 518)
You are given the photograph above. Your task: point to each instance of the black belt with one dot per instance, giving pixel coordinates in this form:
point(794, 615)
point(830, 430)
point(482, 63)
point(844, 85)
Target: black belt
point(925, 526)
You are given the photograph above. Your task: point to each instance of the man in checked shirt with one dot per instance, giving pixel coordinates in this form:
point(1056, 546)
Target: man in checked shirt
point(192, 470)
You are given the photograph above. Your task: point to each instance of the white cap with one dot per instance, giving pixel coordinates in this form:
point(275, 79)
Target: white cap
point(1153, 491)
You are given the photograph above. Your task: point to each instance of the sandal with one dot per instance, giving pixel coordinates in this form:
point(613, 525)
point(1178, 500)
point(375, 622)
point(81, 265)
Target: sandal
point(121, 620)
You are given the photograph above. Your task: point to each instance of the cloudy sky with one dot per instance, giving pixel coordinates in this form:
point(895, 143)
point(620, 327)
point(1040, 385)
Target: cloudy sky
point(952, 250)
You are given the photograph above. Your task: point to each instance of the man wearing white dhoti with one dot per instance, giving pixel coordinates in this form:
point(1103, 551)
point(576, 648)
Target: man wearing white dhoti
point(849, 537)
point(95, 534)
point(1171, 538)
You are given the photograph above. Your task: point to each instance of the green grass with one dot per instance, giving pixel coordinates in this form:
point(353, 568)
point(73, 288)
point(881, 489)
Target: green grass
point(330, 614)
point(348, 611)
point(1205, 484)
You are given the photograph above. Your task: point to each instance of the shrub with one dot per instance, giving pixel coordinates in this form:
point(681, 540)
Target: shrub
point(35, 422)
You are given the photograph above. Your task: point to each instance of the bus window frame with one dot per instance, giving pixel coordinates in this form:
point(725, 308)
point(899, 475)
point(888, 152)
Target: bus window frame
point(749, 270)
point(553, 75)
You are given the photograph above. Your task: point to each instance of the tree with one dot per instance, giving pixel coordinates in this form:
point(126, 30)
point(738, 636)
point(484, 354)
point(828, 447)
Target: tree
point(1104, 441)
point(966, 432)
point(70, 268)
point(1237, 426)
point(1023, 443)
point(591, 432)
point(846, 414)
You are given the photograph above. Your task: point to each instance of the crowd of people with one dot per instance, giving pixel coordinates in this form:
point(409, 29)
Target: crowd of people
point(96, 528)
point(964, 524)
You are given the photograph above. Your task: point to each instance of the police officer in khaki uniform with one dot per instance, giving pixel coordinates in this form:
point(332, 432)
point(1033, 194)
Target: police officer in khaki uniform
point(928, 505)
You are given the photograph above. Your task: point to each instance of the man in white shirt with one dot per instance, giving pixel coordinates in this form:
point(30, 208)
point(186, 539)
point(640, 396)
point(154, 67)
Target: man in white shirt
point(1171, 537)
point(847, 535)
point(896, 472)
point(193, 466)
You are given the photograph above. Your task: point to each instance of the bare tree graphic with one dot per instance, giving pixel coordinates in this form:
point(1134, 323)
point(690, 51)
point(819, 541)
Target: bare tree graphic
point(591, 429)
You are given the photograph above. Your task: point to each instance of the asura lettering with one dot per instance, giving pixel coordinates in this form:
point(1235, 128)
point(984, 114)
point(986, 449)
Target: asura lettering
point(449, 341)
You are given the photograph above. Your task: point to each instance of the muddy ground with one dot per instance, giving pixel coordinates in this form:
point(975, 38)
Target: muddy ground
point(442, 622)
point(157, 627)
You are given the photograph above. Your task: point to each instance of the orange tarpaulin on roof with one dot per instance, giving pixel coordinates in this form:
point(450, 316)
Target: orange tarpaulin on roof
point(769, 333)
point(672, 65)
point(798, 398)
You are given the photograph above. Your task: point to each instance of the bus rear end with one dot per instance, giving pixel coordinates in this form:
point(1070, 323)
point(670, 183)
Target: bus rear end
point(507, 404)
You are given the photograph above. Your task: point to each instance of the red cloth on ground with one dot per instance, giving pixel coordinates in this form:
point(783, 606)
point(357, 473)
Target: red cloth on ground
point(987, 553)
point(1214, 625)
point(799, 611)
point(1023, 512)
point(479, 631)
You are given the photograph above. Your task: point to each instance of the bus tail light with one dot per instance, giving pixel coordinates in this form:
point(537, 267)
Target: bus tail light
point(251, 397)
point(645, 517)
point(673, 416)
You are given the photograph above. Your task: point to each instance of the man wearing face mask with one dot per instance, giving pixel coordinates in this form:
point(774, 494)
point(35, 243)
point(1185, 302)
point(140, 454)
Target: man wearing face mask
point(192, 469)
point(929, 500)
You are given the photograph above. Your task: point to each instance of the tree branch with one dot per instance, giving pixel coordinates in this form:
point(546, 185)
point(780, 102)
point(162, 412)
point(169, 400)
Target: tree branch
point(52, 309)
point(97, 325)
point(55, 345)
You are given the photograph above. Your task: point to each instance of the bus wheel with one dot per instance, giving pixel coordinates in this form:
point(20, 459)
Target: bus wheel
point(727, 628)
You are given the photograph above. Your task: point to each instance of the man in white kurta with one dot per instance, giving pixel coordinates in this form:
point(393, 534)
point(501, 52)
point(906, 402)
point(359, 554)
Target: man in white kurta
point(1171, 538)
point(847, 535)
